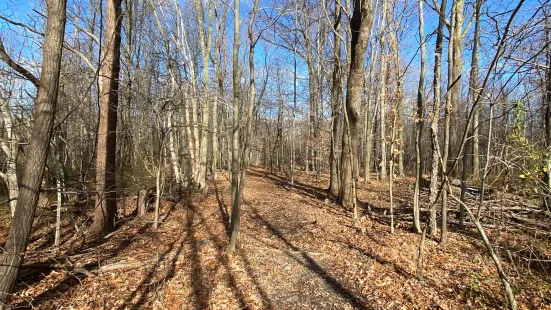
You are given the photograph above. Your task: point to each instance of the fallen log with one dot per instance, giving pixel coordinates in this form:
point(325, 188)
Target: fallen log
point(127, 265)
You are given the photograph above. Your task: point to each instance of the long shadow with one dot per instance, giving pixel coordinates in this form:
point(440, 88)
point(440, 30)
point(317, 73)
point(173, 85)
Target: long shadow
point(50, 265)
point(223, 209)
point(170, 274)
point(311, 264)
point(51, 294)
point(144, 281)
point(197, 279)
point(223, 262)
point(315, 192)
point(226, 222)
point(250, 272)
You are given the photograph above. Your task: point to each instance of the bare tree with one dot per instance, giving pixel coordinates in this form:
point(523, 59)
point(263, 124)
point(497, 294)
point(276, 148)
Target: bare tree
point(434, 117)
point(106, 167)
point(235, 214)
point(335, 102)
point(419, 122)
point(31, 178)
point(360, 24)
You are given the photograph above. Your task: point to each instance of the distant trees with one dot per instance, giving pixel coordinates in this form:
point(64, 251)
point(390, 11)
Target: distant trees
point(148, 102)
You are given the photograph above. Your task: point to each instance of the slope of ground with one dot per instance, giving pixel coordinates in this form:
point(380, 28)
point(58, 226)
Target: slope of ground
point(299, 250)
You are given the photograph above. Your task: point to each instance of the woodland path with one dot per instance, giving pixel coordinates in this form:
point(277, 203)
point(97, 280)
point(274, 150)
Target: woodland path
point(299, 251)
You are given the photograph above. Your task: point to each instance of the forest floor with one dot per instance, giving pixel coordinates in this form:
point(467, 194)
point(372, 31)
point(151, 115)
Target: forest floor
point(298, 250)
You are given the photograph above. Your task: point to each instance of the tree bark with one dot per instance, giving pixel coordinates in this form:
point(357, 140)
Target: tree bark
point(247, 147)
point(382, 93)
point(435, 116)
point(360, 24)
point(205, 38)
point(11, 151)
point(236, 208)
point(106, 166)
point(335, 103)
point(420, 115)
point(33, 171)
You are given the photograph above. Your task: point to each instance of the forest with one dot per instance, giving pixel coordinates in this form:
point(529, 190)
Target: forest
point(283, 154)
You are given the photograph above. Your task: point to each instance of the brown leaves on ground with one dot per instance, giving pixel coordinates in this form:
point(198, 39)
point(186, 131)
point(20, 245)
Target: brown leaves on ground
point(298, 251)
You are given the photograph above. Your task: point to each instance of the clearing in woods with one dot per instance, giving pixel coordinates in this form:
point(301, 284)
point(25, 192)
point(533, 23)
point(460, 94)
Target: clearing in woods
point(299, 250)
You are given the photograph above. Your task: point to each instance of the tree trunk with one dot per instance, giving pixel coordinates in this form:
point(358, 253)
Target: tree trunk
point(106, 196)
point(360, 24)
point(435, 160)
point(11, 152)
point(473, 136)
point(234, 237)
point(293, 134)
point(205, 41)
point(547, 198)
point(420, 114)
point(235, 211)
point(33, 170)
point(382, 93)
point(335, 103)
point(142, 202)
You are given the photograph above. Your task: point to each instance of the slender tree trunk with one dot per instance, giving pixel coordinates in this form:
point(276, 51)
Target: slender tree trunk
point(247, 147)
point(106, 197)
point(57, 236)
point(382, 93)
point(547, 178)
point(420, 115)
point(391, 172)
point(368, 144)
point(10, 149)
point(236, 208)
point(360, 24)
point(457, 65)
point(473, 136)
point(158, 186)
point(205, 41)
point(435, 116)
point(33, 168)
point(335, 103)
point(174, 158)
point(293, 134)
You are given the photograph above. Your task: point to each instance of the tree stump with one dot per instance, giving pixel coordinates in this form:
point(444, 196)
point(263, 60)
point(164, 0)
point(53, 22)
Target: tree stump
point(142, 202)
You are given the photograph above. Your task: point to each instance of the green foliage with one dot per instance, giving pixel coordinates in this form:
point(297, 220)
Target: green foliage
point(533, 165)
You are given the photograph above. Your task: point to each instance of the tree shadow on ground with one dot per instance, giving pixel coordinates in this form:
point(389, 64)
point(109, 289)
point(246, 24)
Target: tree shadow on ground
point(223, 209)
point(312, 265)
point(312, 191)
point(267, 303)
point(124, 239)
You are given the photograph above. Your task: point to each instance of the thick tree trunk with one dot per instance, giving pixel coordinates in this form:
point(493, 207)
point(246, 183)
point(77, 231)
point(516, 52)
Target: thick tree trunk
point(106, 196)
point(360, 24)
point(33, 171)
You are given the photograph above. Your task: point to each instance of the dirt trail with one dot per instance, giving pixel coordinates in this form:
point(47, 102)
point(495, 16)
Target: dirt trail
point(299, 251)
